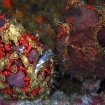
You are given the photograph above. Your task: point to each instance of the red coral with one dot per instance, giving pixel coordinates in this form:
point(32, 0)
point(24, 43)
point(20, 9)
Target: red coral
point(14, 67)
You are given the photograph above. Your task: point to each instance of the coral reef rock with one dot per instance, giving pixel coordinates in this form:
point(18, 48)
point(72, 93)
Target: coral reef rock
point(26, 65)
point(81, 40)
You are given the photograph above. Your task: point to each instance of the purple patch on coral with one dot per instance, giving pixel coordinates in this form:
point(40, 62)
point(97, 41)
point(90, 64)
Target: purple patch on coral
point(16, 79)
point(4, 102)
point(2, 22)
point(33, 54)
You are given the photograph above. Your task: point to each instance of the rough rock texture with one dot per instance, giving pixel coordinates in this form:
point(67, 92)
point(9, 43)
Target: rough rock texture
point(86, 45)
point(82, 62)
